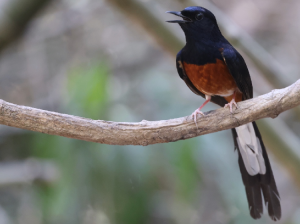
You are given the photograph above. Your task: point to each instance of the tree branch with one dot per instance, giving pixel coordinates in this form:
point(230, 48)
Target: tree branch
point(149, 132)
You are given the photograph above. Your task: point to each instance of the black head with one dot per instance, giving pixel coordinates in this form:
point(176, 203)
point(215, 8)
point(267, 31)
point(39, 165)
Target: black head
point(196, 22)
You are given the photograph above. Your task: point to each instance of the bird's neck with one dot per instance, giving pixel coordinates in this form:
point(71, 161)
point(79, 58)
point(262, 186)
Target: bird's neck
point(207, 37)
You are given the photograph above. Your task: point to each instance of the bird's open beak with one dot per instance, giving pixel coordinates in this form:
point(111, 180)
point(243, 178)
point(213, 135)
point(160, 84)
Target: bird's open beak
point(185, 19)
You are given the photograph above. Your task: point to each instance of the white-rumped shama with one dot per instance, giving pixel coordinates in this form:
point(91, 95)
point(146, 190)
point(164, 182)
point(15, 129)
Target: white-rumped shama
point(212, 68)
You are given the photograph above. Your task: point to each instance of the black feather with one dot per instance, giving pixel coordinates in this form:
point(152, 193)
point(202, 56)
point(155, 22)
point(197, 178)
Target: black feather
point(238, 69)
point(268, 184)
point(259, 185)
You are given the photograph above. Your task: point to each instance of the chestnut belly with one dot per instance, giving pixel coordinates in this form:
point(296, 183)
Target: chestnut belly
point(211, 79)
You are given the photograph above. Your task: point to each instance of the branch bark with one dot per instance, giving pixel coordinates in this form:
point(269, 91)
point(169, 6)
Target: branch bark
point(149, 132)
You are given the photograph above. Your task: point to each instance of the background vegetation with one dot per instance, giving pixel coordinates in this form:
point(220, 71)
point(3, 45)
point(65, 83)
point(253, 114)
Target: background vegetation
point(115, 60)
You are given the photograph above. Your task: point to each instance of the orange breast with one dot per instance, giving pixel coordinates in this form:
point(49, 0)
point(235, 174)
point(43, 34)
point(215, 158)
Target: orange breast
point(212, 79)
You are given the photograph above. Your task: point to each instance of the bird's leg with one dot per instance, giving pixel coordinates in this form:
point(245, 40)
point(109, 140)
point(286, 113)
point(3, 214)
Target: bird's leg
point(232, 102)
point(198, 111)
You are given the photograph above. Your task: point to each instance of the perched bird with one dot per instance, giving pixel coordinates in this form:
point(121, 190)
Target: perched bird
point(212, 68)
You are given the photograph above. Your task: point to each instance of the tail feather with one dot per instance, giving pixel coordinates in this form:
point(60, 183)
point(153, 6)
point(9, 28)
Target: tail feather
point(268, 184)
point(255, 184)
point(254, 201)
point(250, 149)
point(272, 201)
point(252, 186)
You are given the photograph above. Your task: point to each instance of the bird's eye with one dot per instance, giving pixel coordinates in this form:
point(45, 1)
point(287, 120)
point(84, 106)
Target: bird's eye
point(199, 16)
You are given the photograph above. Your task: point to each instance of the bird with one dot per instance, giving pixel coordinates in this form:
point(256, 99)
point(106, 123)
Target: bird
point(212, 68)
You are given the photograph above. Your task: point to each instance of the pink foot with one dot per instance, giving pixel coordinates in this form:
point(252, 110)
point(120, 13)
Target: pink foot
point(198, 111)
point(232, 102)
point(194, 115)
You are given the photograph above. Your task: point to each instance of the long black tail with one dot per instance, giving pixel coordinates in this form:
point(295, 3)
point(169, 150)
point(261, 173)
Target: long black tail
point(255, 184)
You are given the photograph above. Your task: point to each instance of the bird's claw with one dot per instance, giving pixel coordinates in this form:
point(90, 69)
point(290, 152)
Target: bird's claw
point(194, 115)
point(230, 104)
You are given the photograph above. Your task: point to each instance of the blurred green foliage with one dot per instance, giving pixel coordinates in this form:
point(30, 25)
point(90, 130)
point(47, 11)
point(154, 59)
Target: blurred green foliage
point(82, 170)
point(181, 182)
point(191, 181)
point(123, 183)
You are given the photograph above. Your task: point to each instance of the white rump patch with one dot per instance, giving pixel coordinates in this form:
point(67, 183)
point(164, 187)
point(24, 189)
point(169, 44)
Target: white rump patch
point(250, 149)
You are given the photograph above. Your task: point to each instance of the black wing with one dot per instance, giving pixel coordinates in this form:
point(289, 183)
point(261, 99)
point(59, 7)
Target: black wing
point(180, 69)
point(238, 69)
